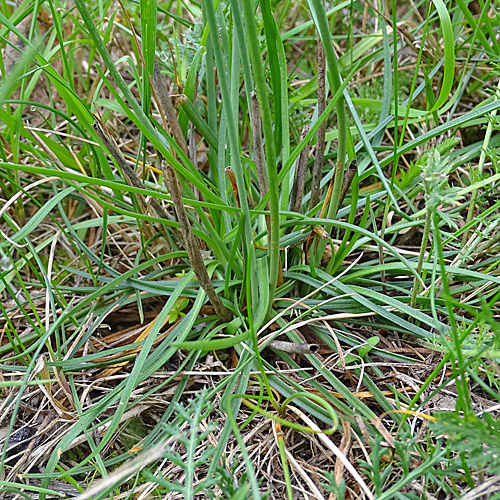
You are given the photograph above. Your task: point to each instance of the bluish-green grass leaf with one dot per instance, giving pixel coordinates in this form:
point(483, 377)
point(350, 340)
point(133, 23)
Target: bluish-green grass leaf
point(449, 54)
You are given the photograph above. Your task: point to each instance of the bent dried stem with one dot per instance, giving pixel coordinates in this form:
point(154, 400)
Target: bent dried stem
point(300, 175)
point(128, 172)
point(320, 142)
point(166, 108)
point(192, 245)
point(258, 154)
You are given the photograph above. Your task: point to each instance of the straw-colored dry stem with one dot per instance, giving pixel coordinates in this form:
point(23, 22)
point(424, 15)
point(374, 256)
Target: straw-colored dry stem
point(347, 180)
point(258, 153)
point(258, 150)
point(320, 142)
point(167, 109)
point(300, 174)
point(130, 176)
point(192, 245)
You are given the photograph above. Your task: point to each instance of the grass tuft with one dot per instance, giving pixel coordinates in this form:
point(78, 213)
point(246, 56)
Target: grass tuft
point(249, 249)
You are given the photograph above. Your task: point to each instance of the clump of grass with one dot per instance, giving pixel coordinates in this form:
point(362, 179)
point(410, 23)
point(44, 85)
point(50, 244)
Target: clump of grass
point(225, 199)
